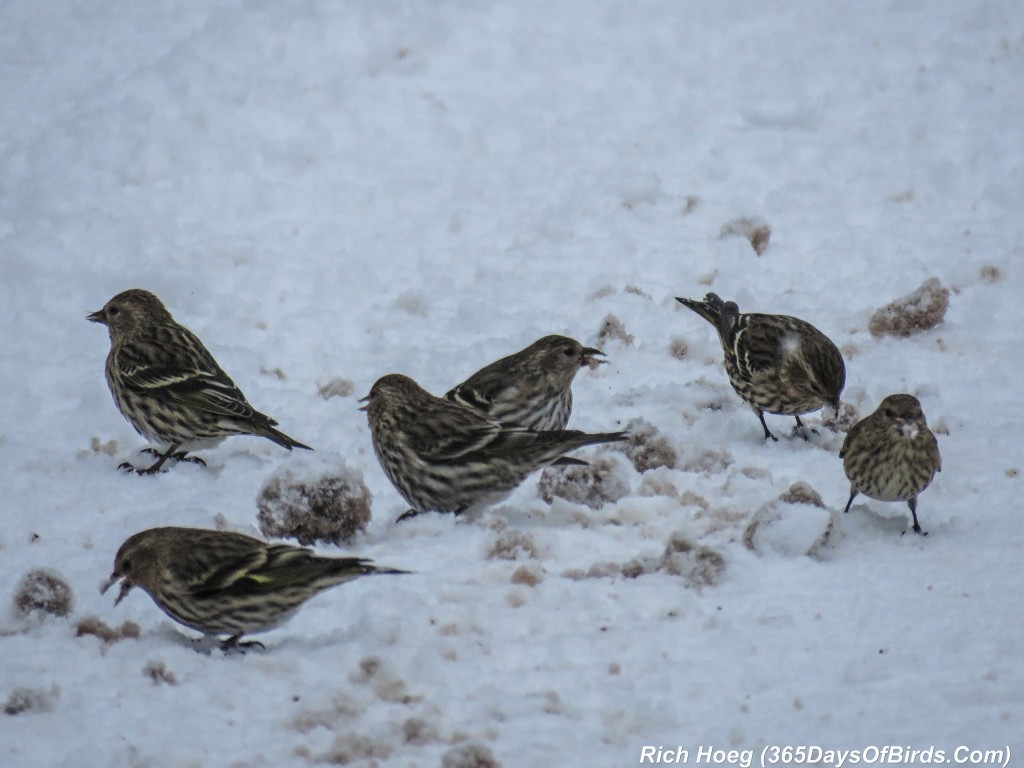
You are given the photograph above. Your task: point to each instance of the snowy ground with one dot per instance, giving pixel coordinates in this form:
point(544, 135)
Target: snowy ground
point(342, 190)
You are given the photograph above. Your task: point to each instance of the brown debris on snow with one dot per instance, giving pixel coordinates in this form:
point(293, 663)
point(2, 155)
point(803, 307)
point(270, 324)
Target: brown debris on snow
point(42, 592)
point(596, 484)
point(332, 508)
point(646, 447)
point(919, 311)
point(757, 231)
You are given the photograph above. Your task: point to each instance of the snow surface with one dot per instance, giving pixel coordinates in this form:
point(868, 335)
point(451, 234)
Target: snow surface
point(330, 191)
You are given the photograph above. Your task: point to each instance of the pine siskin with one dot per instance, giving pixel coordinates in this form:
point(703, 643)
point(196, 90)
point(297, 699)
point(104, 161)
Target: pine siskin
point(444, 457)
point(532, 388)
point(891, 455)
point(776, 363)
point(169, 387)
point(224, 583)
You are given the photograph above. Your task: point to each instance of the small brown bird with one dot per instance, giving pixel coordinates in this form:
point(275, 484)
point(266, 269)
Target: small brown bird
point(891, 455)
point(532, 388)
point(776, 363)
point(445, 457)
point(224, 583)
point(169, 387)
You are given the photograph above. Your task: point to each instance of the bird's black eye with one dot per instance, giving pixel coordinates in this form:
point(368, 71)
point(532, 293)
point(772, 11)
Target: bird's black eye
point(126, 565)
point(569, 352)
point(113, 311)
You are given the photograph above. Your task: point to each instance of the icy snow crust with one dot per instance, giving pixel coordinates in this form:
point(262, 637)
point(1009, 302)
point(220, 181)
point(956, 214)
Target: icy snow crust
point(326, 192)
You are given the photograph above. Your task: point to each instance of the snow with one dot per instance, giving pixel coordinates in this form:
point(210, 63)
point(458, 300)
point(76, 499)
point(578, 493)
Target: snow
point(326, 192)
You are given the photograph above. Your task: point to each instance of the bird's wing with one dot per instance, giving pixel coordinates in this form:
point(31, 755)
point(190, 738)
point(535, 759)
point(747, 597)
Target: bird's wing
point(490, 385)
point(502, 442)
point(210, 560)
point(470, 396)
point(263, 567)
point(274, 566)
point(237, 572)
point(444, 430)
point(191, 379)
point(455, 445)
point(755, 346)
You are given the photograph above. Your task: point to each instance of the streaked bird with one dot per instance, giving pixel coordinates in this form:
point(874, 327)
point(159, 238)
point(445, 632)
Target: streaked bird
point(776, 363)
point(224, 583)
point(531, 388)
point(445, 457)
point(891, 455)
point(169, 387)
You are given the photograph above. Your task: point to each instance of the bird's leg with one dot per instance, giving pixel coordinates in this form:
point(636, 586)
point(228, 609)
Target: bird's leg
point(913, 511)
point(853, 494)
point(767, 432)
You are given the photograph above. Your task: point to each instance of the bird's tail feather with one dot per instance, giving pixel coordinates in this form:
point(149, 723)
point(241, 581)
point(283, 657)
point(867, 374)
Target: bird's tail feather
point(710, 308)
point(282, 439)
point(605, 437)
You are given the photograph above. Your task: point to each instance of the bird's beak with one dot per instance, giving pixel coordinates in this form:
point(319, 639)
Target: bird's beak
point(365, 400)
point(126, 586)
point(587, 357)
point(96, 317)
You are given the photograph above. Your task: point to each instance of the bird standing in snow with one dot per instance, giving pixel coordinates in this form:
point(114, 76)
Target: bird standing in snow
point(169, 387)
point(776, 363)
point(891, 455)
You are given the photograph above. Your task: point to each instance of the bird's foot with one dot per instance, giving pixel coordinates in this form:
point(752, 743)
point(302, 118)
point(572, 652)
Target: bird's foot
point(131, 469)
point(407, 516)
point(234, 645)
point(176, 456)
point(803, 431)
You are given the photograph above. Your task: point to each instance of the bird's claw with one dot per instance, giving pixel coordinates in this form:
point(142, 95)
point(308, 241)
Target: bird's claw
point(805, 432)
point(131, 469)
point(161, 460)
point(234, 645)
point(178, 456)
